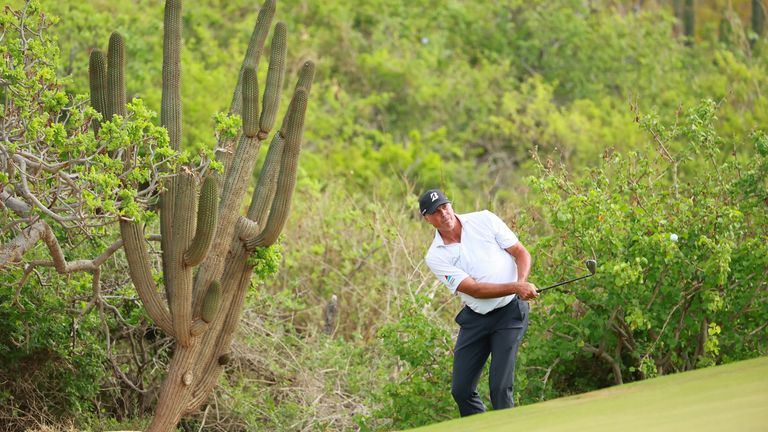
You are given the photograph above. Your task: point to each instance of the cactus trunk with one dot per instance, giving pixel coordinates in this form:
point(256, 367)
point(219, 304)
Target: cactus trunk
point(175, 390)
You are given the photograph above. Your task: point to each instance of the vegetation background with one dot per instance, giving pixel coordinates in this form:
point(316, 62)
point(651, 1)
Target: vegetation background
point(594, 129)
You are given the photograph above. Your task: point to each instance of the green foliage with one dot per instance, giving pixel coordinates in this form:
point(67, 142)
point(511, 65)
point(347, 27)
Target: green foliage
point(656, 305)
point(266, 260)
point(227, 126)
point(419, 391)
point(51, 368)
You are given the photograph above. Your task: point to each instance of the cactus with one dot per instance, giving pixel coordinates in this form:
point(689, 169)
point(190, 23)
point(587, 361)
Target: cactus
point(758, 19)
point(204, 229)
point(211, 303)
point(97, 76)
point(689, 22)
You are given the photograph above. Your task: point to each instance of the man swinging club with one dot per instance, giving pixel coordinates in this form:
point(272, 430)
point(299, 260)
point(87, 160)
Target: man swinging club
point(478, 256)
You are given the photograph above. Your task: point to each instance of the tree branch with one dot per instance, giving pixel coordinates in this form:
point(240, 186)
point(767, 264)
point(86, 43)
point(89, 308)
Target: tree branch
point(16, 205)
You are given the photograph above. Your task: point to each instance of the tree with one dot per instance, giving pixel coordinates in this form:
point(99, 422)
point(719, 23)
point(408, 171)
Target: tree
point(203, 310)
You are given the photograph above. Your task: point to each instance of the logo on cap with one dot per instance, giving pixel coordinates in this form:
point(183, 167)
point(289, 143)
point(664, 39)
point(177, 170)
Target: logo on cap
point(430, 200)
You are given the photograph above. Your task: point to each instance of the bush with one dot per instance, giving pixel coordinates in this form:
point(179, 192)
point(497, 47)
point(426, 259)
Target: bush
point(418, 392)
point(680, 240)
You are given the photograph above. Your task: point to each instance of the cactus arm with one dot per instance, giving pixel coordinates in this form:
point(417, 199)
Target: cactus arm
point(166, 233)
point(250, 102)
point(170, 118)
point(264, 192)
point(241, 169)
point(170, 109)
point(207, 215)
point(211, 302)
point(306, 76)
point(253, 52)
point(286, 180)
point(141, 275)
point(275, 77)
point(180, 275)
point(115, 76)
point(97, 74)
point(209, 310)
point(224, 149)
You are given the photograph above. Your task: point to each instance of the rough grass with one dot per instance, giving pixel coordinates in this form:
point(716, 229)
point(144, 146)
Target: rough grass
point(732, 397)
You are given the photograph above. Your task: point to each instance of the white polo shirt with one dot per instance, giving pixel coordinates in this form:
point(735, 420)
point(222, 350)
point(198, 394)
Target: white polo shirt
point(481, 254)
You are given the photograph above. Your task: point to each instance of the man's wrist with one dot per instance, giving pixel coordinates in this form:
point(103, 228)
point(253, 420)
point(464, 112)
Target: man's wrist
point(517, 287)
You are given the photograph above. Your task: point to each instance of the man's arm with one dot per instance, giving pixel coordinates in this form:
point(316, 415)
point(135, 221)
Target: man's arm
point(522, 259)
point(482, 290)
point(522, 288)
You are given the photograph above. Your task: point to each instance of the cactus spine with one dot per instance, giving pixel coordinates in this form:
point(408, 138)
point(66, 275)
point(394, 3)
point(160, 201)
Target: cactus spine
point(204, 229)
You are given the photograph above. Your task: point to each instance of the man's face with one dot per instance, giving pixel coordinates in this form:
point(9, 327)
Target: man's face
point(443, 218)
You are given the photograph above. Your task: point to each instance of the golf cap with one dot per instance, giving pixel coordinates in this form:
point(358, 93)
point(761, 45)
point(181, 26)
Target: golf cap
point(431, 200)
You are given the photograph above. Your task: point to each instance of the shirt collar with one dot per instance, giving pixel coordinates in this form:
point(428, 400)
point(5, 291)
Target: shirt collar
point(438, 242)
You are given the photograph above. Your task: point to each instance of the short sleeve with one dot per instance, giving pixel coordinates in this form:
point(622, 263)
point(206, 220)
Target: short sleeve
point(450, 275)
point(501, 232)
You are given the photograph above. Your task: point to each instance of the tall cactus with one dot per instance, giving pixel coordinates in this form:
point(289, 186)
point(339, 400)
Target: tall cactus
point(758, 19)
point(200, 229)
point(689, 22)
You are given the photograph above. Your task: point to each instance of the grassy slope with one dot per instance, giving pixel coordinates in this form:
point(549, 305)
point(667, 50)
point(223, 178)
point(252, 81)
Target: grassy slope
point(728, 398)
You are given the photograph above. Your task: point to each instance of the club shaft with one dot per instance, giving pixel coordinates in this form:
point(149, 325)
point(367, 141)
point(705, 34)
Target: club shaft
point(564, 282)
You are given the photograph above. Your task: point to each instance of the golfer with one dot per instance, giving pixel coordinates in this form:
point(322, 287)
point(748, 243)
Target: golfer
point(478, 256)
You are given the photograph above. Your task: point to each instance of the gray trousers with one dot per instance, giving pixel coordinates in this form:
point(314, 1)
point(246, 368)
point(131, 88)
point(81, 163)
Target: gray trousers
point(498, 334)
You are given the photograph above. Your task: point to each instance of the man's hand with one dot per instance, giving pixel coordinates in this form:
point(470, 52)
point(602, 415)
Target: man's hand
point(527, 291)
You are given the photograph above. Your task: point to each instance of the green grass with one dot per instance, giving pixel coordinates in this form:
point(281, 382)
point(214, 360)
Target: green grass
point(728, 398)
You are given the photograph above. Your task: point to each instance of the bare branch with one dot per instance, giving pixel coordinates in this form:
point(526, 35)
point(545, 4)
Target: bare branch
point(14, 204)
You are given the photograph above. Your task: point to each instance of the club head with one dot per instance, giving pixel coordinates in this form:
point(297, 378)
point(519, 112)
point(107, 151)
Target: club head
point(591, 266)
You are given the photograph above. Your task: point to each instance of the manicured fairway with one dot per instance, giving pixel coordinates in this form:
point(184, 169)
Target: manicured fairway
point(729, 398)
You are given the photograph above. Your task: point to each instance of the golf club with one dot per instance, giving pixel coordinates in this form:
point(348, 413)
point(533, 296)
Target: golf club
point(591, 265)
